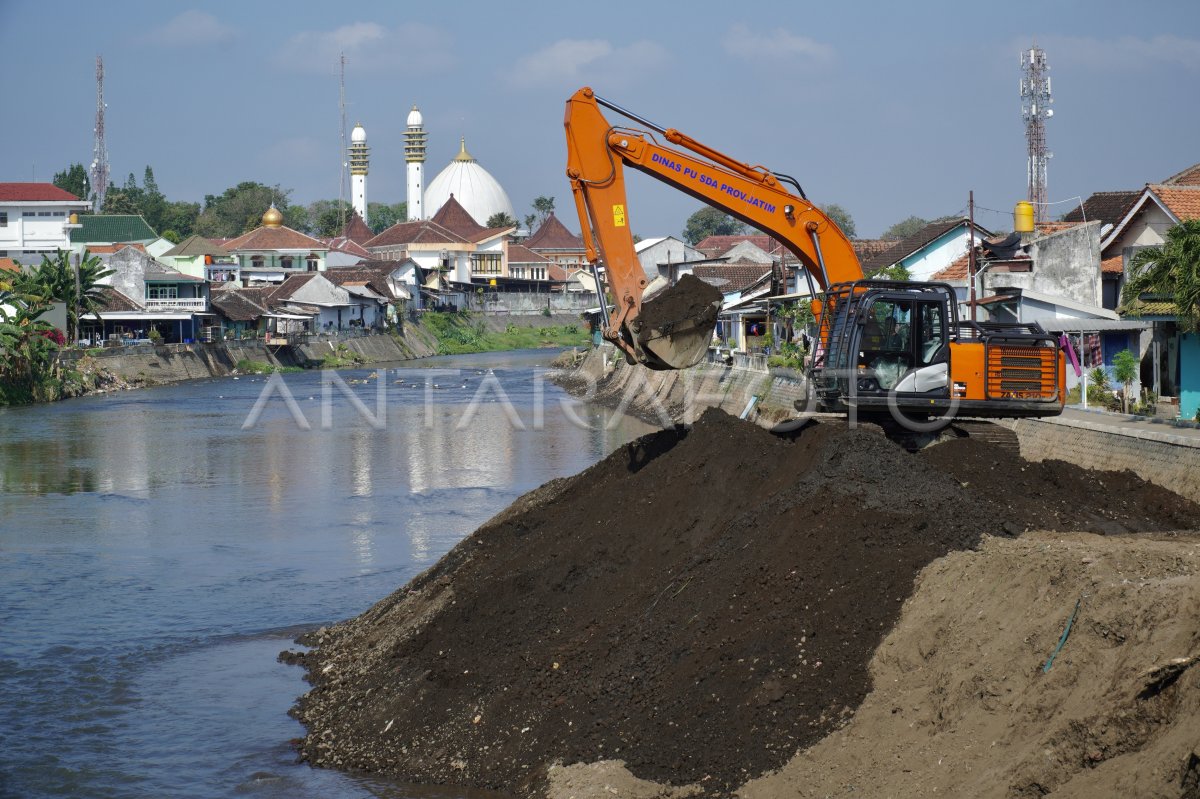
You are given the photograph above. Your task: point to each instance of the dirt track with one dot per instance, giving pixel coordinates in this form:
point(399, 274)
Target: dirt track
point(698, 606)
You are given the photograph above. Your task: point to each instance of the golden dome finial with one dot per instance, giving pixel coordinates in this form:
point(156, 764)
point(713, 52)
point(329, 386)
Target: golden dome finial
point(272, 218)
point(463, 155)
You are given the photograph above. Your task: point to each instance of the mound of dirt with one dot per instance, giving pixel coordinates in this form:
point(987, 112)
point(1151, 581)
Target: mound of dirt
point(690, 298)
point(963, 705)
point(700, 605)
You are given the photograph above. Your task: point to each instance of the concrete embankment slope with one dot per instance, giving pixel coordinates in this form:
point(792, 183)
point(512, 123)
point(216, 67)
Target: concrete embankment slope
point(1165, 455)
point(172, 363)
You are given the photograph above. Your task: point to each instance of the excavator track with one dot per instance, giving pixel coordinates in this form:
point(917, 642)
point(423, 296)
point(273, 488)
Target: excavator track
point(994, 433)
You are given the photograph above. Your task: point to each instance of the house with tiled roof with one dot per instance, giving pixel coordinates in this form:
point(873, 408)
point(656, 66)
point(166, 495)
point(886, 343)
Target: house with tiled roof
point(271, 253)
point(143, 294)
point(33, 220)
point(201, 257)
point(434, 249)
point(929, 250)
point(553, 241)
point(1173, 362)
point(667, 257)
point(490, 258)
point(330, 306)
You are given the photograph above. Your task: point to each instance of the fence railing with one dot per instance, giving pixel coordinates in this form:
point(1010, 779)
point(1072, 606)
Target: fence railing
point(181, 304)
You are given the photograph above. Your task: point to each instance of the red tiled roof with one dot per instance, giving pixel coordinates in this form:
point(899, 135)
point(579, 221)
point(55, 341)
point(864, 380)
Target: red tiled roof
point(274, 238)
point(424, 231)
point(1047, 228)
point(34, 192)
point(108, 249)
point(1113, 265)
point(957, 270)
point(1183, 201)
point(739, 275)
point(374, 277)
point(520, 254)
point(453, 216)
point(356, 230)
point(238, 305)
point(1188, 177)
point(867, 248)
point(553, 235)
point(348, 246)
point(488, 233)
point(716, 246)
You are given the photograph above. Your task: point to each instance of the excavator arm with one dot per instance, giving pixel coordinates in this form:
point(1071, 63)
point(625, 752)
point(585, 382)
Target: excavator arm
point(672, 329)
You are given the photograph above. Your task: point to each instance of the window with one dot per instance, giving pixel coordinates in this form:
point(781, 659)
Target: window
point(44, 213)
point(539, 273)
point(29, 213)
point(170, 292)
point(60, 213)
point(3, 218)
point(313, 262)
point(287, 262)
point(932, 333)
point(256, 261)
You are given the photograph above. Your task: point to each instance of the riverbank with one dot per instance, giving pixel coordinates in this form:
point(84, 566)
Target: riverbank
point(84, 372)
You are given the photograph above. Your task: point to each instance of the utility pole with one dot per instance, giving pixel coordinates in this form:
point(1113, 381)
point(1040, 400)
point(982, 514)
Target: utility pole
point(971, 251)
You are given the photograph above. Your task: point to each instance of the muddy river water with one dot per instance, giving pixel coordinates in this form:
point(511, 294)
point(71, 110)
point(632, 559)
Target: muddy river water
point(158, 548)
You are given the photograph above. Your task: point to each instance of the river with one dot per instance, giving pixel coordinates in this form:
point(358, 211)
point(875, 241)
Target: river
point(159, 548)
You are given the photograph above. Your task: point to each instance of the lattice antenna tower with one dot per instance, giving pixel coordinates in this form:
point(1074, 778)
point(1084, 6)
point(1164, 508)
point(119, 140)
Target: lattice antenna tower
point(342, 176)
point(98, 173)
point(1036, 108)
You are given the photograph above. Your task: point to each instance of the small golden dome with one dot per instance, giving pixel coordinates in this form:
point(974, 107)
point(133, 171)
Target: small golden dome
point(463, 155)
point(272, 218)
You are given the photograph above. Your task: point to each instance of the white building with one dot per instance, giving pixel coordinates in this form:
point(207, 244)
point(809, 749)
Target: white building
point(414, 157)
point(473, 186)
point(359, 161)
point(33, 217)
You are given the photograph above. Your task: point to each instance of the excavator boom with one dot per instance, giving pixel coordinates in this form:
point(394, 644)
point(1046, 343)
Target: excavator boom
point(672, 329)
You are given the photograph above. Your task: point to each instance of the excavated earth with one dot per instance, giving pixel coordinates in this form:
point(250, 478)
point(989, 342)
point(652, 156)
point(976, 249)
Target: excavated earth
point(695, 610)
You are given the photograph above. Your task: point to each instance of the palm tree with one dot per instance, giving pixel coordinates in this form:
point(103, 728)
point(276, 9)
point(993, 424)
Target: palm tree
point(55, 280)
point(25, 347)
point(1171, 269)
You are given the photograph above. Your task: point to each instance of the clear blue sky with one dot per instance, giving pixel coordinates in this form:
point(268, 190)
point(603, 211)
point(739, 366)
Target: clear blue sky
point(888, 109)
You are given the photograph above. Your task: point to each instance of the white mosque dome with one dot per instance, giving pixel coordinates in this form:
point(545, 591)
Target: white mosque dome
point(414, 118)
point(359, 134)
point(472, 186)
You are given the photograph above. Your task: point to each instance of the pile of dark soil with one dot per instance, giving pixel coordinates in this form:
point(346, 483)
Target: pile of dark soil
point(699, 605)
point(690, 298)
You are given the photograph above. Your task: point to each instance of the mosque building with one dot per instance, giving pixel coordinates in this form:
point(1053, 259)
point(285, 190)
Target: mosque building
point(473, 186)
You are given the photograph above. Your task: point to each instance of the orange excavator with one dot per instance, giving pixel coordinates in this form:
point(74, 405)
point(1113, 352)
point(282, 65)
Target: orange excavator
point(882, 345)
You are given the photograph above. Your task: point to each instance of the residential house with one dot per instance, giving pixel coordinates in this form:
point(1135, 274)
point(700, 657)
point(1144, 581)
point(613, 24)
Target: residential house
point(330, 306)
point(746, 285)
point(34, 219)
point(490, 257)
point(928, 251)
point(245, 312)
point(667, 257)
point(347, 249)
point(142, 295)
point(200, 257)
point(1173, 365)
point(554, 242)
point(271, 253)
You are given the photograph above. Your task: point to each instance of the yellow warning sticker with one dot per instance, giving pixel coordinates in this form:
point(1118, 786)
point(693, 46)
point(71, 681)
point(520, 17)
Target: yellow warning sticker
point(619, 216)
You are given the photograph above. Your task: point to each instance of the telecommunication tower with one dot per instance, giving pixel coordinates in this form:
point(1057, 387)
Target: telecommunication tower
point(1036, 108)
point(98, 173)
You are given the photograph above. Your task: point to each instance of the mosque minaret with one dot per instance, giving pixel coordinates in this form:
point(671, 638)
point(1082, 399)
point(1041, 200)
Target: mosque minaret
point(359, 155)
point(414, 154)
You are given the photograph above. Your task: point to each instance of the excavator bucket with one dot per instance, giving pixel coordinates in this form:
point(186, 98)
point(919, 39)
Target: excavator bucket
point(675, 326)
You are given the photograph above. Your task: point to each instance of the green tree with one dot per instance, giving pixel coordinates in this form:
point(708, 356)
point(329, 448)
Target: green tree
point(73, 179)
point(841, 218)
point(544, 206)
point(1171, 269)
point(905, 228)
point(153, 204)
point(120, 202)
point(382, 216)
point(894, 272)
point(55, 280)
point(1125, 370)
point(709, 221)
point(500, 219)
point(328, 217)
point(240, 209)
point(26, 349)
point(529, 220)
point(179, 217)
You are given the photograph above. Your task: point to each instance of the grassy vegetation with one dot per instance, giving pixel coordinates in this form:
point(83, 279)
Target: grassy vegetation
point(249, 367)
point(458, 334)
